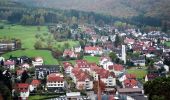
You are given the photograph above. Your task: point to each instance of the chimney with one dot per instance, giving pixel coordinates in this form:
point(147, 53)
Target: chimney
point(99, 89)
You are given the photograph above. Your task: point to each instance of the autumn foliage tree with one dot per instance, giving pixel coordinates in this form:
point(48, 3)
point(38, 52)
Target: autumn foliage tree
point(102, 86)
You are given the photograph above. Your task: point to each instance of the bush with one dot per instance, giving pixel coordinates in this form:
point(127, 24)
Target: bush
point(1, 27)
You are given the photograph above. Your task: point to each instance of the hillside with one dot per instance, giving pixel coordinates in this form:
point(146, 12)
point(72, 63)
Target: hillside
point(118, 8)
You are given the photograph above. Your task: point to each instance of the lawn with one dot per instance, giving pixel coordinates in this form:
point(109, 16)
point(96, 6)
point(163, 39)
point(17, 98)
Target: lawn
point(92, 59)
point(27, 36)
point(167, 43)
point(25, 33)
point(48, 59)
point(140, 73)
point(41, 97)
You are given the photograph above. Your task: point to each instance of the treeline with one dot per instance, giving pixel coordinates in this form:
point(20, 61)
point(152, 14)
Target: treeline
point(41, 16)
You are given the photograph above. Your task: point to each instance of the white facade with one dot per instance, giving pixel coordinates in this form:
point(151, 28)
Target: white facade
point(87, 84)
point(24, 95)
point(124, 53)
point(110, 81)
point(37, 62)
point(68, 70)
point(107, 64)
point(55, 84)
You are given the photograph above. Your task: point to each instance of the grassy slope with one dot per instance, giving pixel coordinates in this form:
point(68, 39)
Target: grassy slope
point(25, 33)
point(48, 59)
point(140, 73)
point(168, 43)
point(92, 59)
point(27, 36)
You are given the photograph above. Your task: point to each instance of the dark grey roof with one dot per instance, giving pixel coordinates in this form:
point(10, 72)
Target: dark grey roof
point(137, 96)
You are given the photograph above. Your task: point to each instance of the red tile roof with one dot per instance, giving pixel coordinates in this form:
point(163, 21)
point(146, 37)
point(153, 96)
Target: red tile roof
point(130, 83)
point(116, 67)
point(131, 76)
point(66, 64)
point(69, 52)
point(35, 82)
point(22, 87)
point(90, 48)
point(79, 74)
point(129, 40)
point(8, 62)
point(55, 77)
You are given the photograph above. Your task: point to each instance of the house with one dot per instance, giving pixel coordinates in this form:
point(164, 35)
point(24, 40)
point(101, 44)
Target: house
point(103, 60)
point(104, 38)
point(5, 46)
point(70, 53)
point(105, 76)
point(82, 64)
point(34, 84)
point(23, 90)
point(9, 64)
point(130, 81)
point(73, 96)
point(138, 61)
point(151, 76)
point(19, 74)
point(44, 70)
point(82, 79)
point(93, 50)
point(37, 61)
point(2, 58)
point(67, 67)
point(25, 66)
point(25, 59)
point(55, 82)
point(129, 41)
point(77, 49)
point(117, 69)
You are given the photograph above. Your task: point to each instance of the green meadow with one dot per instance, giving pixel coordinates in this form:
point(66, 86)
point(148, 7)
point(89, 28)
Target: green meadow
point(167, 43)
point(45, 54)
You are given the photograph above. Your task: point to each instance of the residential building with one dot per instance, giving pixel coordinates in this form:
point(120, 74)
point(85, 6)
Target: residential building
point(70, 53)
point(55, 82)
point(67, 67)
point(117, 69)
point(9, 64)
point(34, 84)
point(23, 90)
point(37, 61)
point(93, 50)
point(44, 70)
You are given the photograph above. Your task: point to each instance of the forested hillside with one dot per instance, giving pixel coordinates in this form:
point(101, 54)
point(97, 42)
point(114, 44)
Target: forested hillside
point(118, 8)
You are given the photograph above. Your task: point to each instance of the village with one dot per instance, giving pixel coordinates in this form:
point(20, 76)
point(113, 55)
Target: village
point(127, 58)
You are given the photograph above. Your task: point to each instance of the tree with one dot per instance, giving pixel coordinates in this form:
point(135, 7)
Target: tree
point(24, 76)
point(38, 45)
point(113, 56)
point(102, 86)
point(82, 44)
point(118, 41)
point(158, 88)
point(5, 92)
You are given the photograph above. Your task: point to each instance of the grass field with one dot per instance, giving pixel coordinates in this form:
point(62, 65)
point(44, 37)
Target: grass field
point(40, 97)
point(48, 59)
point(92, 59)
point(27, 36)
point(25, 33)
point(140, 73)
point(167, 43)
